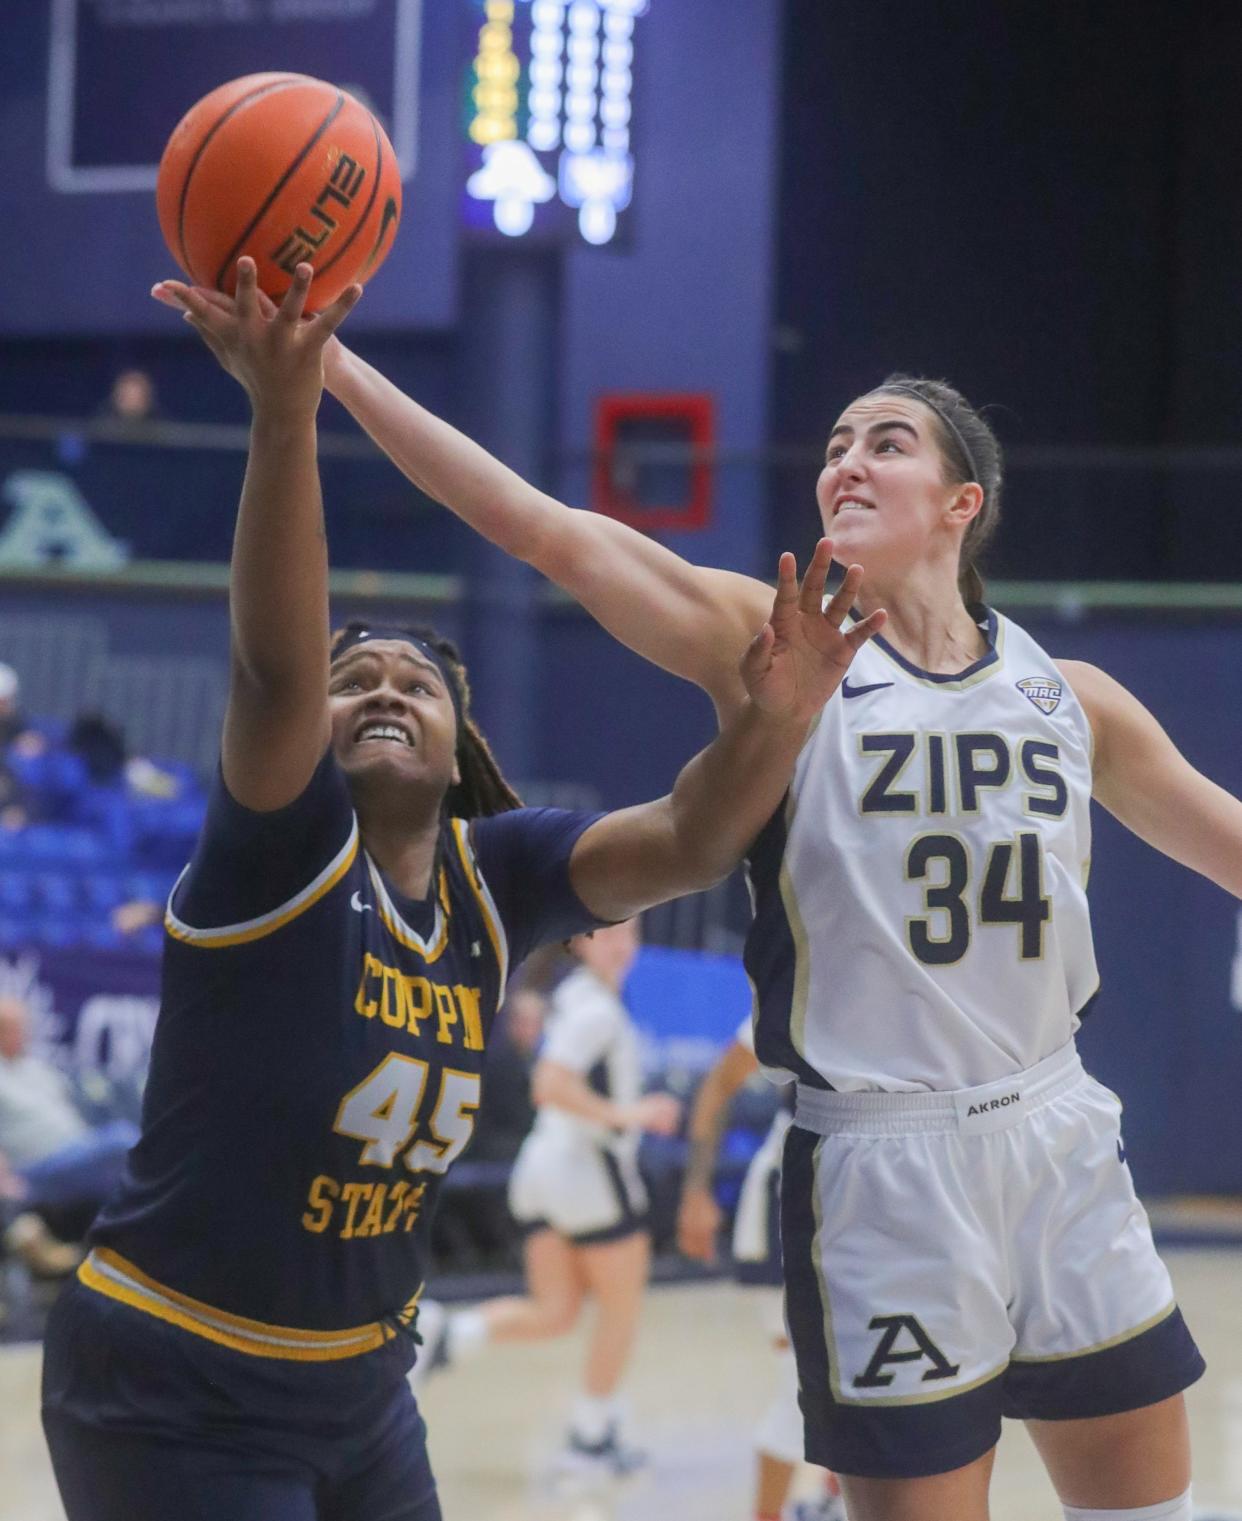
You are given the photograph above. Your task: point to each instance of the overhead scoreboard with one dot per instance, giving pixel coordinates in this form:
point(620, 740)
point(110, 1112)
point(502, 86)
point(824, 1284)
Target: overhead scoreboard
point(547, 116)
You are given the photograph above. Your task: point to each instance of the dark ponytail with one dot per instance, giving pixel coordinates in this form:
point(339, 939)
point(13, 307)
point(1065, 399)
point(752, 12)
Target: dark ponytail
point(482, 789)
point(971, 452)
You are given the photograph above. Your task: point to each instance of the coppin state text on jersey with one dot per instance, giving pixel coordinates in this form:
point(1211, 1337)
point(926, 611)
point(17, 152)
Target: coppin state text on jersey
point(920, 900)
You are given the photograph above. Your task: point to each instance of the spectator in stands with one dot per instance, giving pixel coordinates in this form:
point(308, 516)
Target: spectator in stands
point(132, 399)
point(15, 731)
point(56, 1161)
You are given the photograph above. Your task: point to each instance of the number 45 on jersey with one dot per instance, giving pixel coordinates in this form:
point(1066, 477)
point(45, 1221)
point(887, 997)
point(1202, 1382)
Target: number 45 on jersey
point(384, 1109)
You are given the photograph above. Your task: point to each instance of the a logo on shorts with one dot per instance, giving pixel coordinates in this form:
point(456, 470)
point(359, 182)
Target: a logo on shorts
point(887, 1351)
point(1045, 692)
point(988, 1106)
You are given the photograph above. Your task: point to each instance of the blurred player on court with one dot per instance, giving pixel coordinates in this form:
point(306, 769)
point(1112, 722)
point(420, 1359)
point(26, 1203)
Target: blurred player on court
point(577, 1195)
point(961, 1236)
point(756, 1262)
point(238, 1343)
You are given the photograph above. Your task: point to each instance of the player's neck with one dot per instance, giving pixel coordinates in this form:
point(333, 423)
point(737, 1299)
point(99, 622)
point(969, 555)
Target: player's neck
point(927, 620)
point(405, 853)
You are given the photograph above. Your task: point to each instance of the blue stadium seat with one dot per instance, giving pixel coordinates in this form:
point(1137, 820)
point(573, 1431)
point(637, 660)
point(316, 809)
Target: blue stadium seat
point(16, 891)
point(102, 891)
point(58, 891)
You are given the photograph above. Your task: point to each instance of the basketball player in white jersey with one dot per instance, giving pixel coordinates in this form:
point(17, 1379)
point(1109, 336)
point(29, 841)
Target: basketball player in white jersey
point(577, 1195)
point(961, 1237)
point(756, 1262)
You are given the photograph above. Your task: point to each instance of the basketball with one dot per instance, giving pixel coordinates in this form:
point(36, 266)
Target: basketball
point(287, 169)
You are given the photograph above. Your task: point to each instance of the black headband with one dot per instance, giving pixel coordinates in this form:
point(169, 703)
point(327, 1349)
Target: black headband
point(357, 634)
point(900, 388)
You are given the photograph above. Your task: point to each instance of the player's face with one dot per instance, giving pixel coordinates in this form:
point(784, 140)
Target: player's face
point(882, 494)
point(392, 717)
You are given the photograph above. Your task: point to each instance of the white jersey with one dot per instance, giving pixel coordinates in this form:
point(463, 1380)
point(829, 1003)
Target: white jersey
point(920, 902)
point(590, 1031)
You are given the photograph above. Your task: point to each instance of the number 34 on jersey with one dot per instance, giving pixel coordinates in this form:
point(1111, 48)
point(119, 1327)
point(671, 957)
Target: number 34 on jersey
point(959, 894)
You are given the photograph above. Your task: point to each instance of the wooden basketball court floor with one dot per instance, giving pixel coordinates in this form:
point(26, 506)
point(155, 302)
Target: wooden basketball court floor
point(700, 1377)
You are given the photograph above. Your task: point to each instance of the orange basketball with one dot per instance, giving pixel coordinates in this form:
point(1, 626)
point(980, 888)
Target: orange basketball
point(287, 169)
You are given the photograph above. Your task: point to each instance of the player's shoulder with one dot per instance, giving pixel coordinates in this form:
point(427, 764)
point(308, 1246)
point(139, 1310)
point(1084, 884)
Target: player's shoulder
point(1097, 692)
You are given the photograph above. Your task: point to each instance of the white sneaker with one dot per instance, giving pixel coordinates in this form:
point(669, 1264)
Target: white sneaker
point(826, 1508)
point(606, 1459)
point(431, 1326)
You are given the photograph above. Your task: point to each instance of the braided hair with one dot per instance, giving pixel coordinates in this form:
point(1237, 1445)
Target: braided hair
point(482, 789)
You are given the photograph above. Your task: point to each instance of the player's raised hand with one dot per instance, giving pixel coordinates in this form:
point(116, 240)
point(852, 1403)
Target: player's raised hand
point(273, 350)
point(800, 656)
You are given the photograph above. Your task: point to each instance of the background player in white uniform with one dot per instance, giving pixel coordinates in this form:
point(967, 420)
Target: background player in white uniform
point(923, 933)
point(578, 1197)
point(756, 1261)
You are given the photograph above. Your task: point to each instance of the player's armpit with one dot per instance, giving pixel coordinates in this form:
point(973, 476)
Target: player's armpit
point(1148, 785)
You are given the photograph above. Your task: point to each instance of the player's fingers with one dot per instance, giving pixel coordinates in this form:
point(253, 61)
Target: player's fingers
point(332, 316)
point(786, 583)
point(294, 303)
point(247, 285)
point(206, 334)
point(266, 305)
point(811, 595)
point(165, 292)
point(843, 601)
point(180, 297)
point(861, 632)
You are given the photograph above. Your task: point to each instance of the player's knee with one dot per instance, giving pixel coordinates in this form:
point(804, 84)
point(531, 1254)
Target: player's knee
point(560, 1315)
point(779, 1432)
point(1180, 1509)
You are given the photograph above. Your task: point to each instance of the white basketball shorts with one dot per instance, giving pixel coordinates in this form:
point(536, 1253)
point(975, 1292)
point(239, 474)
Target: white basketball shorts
point(951, 1258)
point(583, 1192)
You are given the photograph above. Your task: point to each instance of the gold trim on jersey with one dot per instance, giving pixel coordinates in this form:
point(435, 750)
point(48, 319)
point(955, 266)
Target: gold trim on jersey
point(107, 1272)
point(487, 906)
point(430, 949)
point(1103, 1346)
point(266, 924)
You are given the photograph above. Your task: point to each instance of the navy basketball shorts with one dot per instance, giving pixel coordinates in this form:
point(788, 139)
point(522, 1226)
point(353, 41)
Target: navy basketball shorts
point(146, 1422)
point(952, 1258)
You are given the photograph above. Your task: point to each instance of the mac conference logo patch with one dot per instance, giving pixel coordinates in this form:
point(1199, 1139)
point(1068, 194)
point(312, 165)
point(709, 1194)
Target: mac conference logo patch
point(1044, 691)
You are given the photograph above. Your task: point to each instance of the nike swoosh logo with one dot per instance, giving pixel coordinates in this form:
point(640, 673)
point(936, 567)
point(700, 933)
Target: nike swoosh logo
point(358, 906)
point(387, 218)
point(849, 691)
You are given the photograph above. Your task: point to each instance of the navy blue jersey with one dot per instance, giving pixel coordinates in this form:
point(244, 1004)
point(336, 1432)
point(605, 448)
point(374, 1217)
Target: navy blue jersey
point(317, 1067)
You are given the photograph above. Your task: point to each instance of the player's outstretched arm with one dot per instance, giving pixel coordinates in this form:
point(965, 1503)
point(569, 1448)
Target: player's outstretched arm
point(1149, 786)
point(699, 1216)
point(692, 621)
point(276, 723)
point(691, 839)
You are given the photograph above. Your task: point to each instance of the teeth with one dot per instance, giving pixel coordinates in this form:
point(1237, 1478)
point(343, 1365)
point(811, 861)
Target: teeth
point(852, 506)
point(384, 731)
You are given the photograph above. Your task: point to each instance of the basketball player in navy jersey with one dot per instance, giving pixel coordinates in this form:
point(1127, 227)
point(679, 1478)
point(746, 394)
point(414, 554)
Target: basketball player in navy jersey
point(960, 1233)
point(238, 1343)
